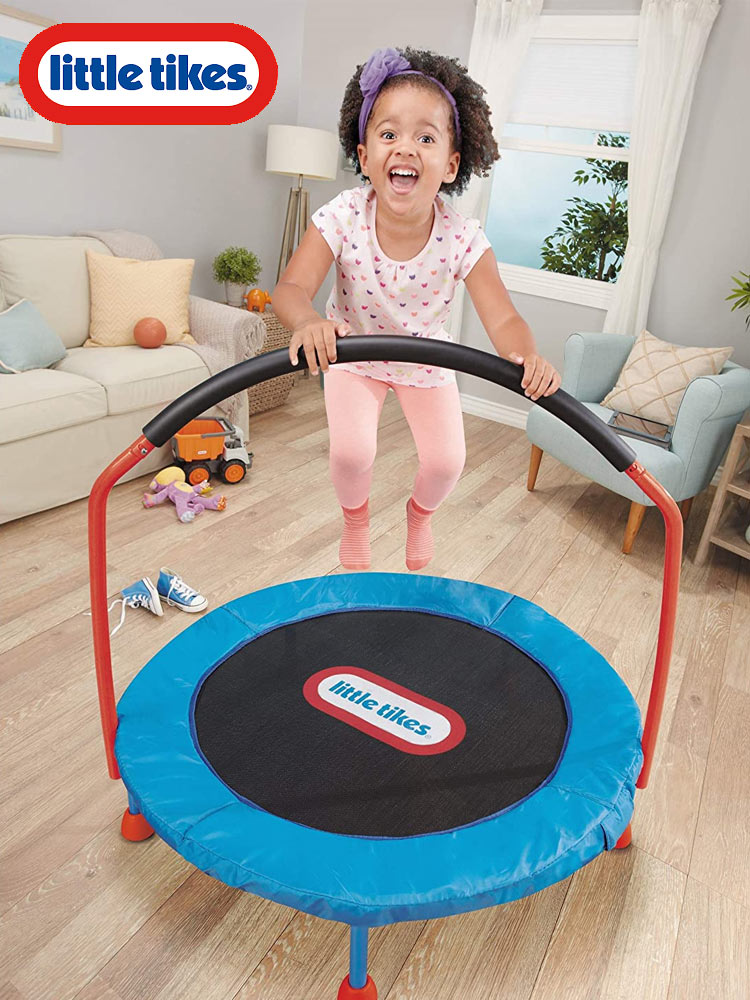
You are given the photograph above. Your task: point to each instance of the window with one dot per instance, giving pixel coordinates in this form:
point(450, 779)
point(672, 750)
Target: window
point(557, 214)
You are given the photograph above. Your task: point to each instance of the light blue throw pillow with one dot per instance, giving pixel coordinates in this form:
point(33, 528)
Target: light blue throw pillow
point(27, 340)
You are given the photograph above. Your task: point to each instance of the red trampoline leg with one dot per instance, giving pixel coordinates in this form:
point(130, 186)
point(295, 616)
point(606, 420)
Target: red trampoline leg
point(134, 827)
point(625, 839)
point(367, 992)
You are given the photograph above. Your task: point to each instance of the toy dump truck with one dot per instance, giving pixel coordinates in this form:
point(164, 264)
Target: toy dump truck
point(211, 445)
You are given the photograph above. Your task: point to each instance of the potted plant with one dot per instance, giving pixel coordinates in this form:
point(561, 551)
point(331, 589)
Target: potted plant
point(742, 294)
point(237, 267)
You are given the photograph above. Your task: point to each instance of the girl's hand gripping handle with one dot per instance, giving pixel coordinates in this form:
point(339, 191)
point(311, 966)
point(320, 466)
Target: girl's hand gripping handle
point(317, 338)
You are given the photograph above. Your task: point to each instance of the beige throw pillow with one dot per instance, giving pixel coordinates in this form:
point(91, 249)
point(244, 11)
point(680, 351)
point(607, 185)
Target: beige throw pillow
point(656, 375)
point(123, 291)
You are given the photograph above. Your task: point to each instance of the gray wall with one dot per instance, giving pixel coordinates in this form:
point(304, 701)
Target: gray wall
point(194, 189)
point(706, 239)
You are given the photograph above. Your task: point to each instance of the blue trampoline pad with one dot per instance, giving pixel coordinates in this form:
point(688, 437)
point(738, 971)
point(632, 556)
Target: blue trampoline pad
point(381, 747)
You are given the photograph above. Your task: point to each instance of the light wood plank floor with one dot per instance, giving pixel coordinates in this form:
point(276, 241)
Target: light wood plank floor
point(88, 916)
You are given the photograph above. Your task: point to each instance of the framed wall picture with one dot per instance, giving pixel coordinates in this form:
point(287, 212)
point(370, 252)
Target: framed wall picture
point(20, 125)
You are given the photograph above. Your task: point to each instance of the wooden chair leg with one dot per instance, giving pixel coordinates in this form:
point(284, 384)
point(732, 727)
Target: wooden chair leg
point(534, 461)
point(635, 517)
point(685, 507)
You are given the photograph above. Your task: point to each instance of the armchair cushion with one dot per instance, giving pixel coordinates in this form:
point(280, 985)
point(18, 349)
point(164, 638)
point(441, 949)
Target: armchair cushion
point(656, 375)
point(592, 363)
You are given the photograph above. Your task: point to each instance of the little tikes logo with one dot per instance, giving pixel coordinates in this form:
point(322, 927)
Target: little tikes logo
point(391, 713)
point(156, 74)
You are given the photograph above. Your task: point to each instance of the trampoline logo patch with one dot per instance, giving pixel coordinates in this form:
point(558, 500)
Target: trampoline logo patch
point(385, 710)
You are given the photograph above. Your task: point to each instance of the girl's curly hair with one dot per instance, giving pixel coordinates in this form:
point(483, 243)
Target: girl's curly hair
point(477, 147)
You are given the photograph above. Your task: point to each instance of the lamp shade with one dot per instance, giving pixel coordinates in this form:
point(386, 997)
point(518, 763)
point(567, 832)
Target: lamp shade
point(292, 149)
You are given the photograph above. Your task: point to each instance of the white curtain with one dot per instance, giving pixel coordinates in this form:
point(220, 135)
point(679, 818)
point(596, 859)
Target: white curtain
point(672, 37)
point(502, 32)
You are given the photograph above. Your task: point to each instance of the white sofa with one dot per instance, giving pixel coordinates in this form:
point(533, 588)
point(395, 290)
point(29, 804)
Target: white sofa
point(61, 426)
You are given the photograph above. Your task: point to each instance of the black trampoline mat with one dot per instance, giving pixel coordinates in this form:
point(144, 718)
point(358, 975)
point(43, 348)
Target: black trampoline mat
point(267, 743)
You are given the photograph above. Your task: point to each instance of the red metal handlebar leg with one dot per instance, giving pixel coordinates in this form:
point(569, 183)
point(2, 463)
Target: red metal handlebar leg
point(98, 582)
point(670, 588)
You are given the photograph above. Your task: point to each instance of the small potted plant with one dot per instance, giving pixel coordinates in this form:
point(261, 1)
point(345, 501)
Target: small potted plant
point(742, 294)
point(237, 267)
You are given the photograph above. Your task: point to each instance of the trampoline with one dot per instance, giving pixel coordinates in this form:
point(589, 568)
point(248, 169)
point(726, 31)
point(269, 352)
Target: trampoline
point(378, 747)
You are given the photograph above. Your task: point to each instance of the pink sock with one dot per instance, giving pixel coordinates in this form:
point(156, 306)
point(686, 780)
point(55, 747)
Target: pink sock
point(354, 551)
point(419, 544)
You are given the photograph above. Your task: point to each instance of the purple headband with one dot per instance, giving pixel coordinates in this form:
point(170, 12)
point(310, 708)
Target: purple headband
point(381, 65)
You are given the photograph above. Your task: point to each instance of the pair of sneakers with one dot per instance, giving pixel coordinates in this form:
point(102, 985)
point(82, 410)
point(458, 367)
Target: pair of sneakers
point(169, 587)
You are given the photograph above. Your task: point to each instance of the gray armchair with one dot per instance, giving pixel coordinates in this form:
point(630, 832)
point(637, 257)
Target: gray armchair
point(708, 413)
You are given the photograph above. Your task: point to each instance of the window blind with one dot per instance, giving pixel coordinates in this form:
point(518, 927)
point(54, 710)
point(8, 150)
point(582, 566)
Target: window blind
point(580, 84)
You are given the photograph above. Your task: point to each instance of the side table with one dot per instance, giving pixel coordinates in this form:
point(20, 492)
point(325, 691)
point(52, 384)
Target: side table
point(273, 392)
point(727, 527)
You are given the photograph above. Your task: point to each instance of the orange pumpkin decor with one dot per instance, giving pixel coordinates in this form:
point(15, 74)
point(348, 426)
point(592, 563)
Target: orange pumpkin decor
point(149, 332)
point(257, 299)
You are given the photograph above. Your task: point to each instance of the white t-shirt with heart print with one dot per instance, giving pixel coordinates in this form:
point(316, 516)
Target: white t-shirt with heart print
point(377, 295)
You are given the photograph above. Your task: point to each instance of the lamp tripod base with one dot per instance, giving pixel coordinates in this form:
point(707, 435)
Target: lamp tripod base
point(297, 221)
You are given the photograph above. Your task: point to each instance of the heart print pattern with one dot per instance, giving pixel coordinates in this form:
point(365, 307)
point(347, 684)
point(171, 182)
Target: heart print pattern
point(373, 277)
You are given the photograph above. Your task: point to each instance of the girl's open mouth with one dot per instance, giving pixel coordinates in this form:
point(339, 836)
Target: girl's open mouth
point(403, 179)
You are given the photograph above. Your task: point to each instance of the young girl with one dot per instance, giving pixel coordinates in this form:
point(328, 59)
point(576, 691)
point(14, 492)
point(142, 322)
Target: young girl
point(415, 125)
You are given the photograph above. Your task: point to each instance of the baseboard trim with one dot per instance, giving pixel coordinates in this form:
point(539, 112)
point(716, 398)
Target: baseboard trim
point(499, 412)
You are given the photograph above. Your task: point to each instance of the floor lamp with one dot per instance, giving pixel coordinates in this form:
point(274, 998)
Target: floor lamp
point(299, 152)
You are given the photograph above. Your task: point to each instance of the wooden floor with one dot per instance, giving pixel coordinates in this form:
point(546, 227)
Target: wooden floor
point(86, 915)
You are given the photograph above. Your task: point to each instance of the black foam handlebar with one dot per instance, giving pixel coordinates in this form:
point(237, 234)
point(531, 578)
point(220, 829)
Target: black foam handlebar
point(439, 353)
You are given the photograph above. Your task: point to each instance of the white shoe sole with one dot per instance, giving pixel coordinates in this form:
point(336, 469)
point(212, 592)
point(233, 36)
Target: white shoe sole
point(155, 597)
point(191, 611)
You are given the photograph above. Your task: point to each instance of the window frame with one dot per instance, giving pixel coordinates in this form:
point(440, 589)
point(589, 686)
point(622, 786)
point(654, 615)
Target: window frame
point(561, 29)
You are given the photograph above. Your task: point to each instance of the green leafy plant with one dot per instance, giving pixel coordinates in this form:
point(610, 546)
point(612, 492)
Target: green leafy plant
point(590, 232)
point(742, 294)
point(238, 265)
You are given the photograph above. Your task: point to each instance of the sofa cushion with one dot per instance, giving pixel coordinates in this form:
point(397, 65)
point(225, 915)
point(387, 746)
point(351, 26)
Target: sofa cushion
point(43, 400)
point(51, 272)
point(133, 377)
point(27, 340)
point(125, 290)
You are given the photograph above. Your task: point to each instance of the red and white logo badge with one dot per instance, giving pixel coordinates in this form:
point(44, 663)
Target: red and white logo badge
point(391, 713)
point(157, 74)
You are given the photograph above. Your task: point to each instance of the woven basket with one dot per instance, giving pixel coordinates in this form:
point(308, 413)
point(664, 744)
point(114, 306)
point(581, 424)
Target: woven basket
point(272, 392)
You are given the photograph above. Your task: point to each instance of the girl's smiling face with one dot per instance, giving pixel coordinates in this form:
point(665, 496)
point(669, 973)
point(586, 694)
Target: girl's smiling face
point(407, 152)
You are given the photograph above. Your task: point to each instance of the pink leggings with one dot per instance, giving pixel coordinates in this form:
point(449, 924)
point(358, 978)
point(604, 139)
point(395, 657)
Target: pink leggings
point(354, 404)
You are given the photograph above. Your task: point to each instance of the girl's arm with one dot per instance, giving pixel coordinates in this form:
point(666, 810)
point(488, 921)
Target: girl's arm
point(509, 333)
point(292, 302)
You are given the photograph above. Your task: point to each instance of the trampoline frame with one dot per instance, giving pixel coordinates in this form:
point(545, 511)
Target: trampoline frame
point(372, 348)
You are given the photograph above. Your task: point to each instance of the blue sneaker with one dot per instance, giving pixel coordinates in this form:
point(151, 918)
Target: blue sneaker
point(141, 594)
point(178, 594)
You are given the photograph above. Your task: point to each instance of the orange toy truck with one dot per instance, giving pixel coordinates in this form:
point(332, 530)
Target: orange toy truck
point(211, 445)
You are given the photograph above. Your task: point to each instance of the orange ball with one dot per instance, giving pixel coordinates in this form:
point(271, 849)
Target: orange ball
point(149, 332)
